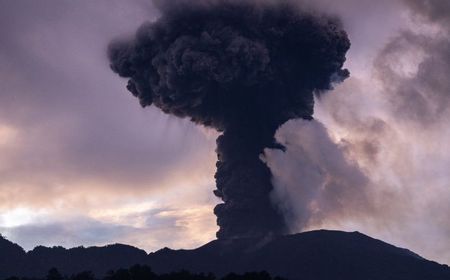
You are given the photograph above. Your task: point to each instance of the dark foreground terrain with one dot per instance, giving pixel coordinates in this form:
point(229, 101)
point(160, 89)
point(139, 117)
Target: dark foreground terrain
point(312, 255)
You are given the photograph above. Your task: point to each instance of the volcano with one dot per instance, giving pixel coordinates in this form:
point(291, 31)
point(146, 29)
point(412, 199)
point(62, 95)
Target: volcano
point(313, 255)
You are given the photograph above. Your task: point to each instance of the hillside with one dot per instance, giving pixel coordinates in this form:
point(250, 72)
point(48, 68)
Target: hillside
point(311, 255)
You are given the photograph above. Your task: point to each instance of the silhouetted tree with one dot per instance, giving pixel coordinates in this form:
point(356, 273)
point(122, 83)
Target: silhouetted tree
point(142, 272)
point(186, 275)
point(121, 274)
point(53, 274)
point(85, 275)
point(12, 278)
point(263, 275)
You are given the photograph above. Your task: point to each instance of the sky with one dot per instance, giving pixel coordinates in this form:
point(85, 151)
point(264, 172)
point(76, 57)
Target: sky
point(81, 163)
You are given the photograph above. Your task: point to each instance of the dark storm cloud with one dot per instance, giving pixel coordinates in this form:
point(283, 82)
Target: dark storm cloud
point(243, 69)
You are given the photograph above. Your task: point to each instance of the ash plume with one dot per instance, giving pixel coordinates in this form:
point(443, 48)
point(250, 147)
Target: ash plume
point(243, 69)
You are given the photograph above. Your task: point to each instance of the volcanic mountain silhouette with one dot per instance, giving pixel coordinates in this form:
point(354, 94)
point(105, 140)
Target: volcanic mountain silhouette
point(314, 255)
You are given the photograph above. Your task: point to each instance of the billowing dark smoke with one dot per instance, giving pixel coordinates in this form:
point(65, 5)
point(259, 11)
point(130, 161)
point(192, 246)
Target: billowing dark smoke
point(243, 69)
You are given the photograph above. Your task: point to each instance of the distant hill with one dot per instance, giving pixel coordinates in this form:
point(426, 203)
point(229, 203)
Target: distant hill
point(37, 262)
point(314, 255)
point(12, 256)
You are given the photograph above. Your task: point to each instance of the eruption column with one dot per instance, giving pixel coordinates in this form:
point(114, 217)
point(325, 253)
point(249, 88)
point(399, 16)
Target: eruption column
point(243, 69)
point(244, 183)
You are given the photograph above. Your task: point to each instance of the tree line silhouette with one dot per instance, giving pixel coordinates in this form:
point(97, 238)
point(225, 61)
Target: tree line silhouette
point(143, 272)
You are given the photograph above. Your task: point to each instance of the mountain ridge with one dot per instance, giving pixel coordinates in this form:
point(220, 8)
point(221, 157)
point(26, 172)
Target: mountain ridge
point(315, 255)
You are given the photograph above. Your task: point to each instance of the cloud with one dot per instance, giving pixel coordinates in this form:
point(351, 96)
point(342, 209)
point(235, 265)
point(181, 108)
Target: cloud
point(389, 123)
point(61, 110)
point(67, 149)
point(413, 69)
point(73, 142)
point(434, 11)
point(314, 178)
point(147, 228)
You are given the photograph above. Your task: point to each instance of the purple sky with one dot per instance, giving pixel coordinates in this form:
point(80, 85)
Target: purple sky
point(82, 164)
